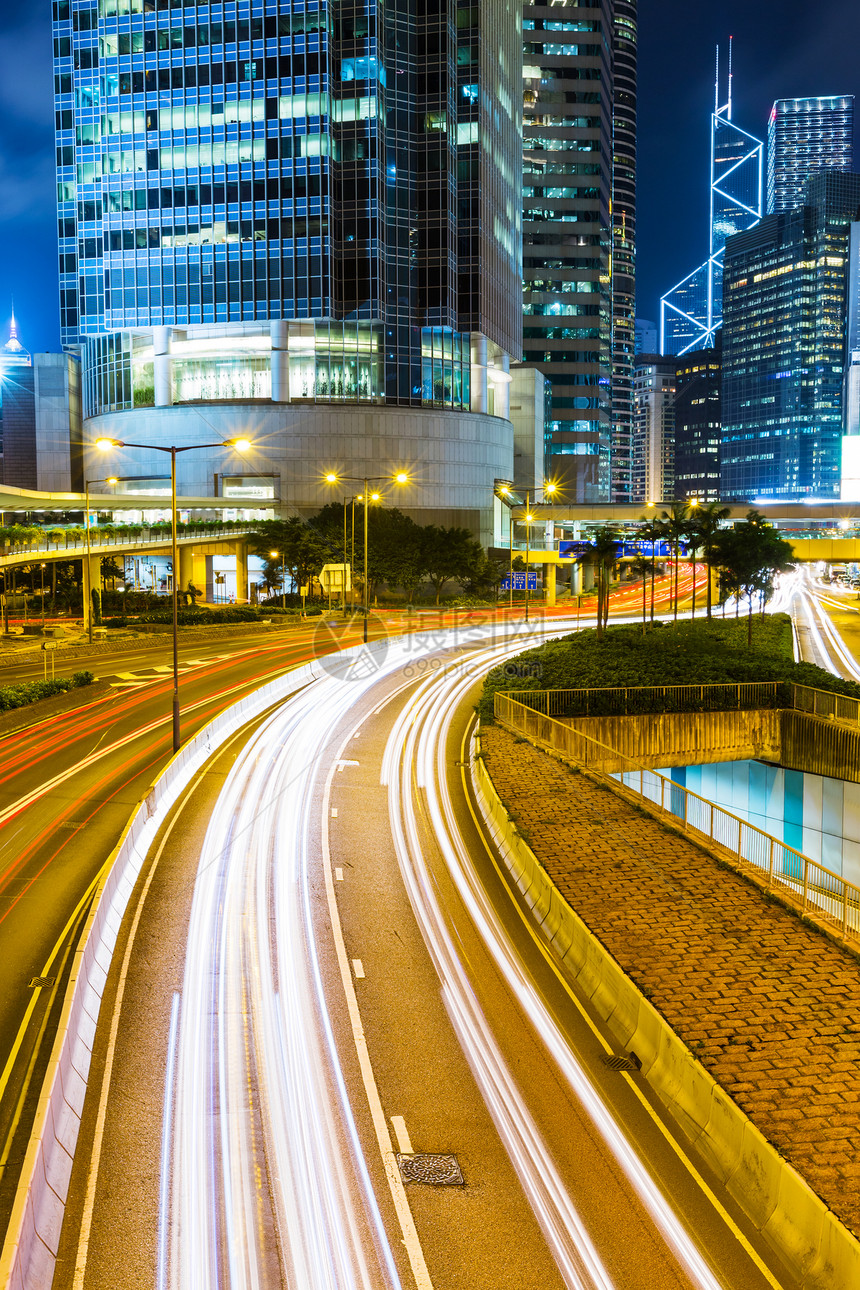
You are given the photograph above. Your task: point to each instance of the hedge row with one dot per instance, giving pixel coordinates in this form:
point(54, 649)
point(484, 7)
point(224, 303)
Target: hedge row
point(19, 696)
point(689, 653)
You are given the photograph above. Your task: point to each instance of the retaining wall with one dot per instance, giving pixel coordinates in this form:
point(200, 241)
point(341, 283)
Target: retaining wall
point(783, 1207)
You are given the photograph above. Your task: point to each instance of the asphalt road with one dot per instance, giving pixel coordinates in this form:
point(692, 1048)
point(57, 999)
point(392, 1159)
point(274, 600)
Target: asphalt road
point(350, 817)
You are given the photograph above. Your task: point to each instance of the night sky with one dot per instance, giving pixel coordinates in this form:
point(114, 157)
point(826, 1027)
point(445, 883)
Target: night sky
point(783, 48)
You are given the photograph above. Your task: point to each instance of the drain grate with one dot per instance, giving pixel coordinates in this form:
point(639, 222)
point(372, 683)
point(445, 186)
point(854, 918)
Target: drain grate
point(42, 980)
point(622, 1063)
point(434, 1169)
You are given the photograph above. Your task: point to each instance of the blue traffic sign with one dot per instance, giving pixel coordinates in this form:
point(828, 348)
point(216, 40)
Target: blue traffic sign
point(520, 582)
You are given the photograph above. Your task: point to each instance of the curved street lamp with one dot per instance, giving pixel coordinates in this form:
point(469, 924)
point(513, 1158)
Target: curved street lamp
point(240, 445)
point(334, 478)
point(506, 491)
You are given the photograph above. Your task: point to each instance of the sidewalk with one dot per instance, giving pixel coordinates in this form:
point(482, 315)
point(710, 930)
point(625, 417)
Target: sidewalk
point(770, 1007)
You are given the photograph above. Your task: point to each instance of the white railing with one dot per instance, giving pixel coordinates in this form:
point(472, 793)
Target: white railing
point(74, 540)
point(813, 887)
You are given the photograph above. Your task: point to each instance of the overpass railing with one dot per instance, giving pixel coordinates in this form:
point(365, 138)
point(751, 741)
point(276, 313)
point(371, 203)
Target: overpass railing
point(130, 536)
point(808, 884)
point(640, 700)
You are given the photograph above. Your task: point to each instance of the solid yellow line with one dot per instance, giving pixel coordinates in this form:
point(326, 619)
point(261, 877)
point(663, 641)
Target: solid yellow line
point(550, 960)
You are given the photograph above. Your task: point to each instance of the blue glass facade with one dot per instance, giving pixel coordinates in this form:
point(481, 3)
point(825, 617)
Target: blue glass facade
point(301, 193)
point(784, 348)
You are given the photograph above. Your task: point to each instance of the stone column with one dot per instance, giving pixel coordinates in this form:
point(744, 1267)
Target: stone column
point(241, 573)
point(209, 580)
point(550, 585)
point(92, 570)
point(163, 382)
point(280, 362)
point(478, 372)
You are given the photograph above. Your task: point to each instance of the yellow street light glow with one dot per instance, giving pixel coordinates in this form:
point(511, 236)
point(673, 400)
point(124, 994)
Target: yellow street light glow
point(274, 554)
point(111, 480)
point(529, 519)
point(550, 488)
point(504, 489)
point(331, 479)
point(401, 477)
point(374, 497)
point(105, 444)
point(241, 445)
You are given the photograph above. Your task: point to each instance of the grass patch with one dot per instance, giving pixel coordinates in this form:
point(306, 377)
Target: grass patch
point(687, 653)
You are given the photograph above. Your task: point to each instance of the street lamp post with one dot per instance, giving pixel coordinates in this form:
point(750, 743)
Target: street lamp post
point(400, 478)
point(506, 490)
point(241, 445)
point(274, 555)
point(42, 571)
point(87, 579)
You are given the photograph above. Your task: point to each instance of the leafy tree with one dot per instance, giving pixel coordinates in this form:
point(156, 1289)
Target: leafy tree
point(449, 553)
point(706, 523)
point(301, 549)
point(750, 555)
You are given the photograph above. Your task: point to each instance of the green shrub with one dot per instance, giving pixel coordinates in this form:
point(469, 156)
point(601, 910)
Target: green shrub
point(689, 653)
point(19, 696)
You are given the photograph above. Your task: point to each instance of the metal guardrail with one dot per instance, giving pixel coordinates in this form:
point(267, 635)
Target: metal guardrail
point(816, 888)
point(638, 700)
point(76, 542)
point(824, 703)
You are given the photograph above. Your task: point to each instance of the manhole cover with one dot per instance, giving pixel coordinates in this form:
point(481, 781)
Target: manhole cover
point(41, 980)
point(437, 1170)
point(622, 1063)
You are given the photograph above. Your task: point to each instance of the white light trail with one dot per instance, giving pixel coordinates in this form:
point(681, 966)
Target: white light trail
point(419, 740)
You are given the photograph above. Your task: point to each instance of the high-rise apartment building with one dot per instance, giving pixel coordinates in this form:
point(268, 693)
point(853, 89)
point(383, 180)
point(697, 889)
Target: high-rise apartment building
point(697, 424)
point(579, 86)
point(784, 347)
point(40, 421)
point(301, 222)
point(691, 313)
point(653, 473)
point(803, 137)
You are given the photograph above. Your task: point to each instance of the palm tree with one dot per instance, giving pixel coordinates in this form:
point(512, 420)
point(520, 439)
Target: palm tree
point(642, 564)
point(603, 553)
point(651, 531)
point(675, 522)
point(708, 520)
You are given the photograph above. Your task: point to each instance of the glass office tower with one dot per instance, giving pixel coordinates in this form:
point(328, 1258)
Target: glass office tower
point(691, 313)
point(303, 206)
point(577, 328)
point(784, 347)
point(803, 137)
point(698, 378)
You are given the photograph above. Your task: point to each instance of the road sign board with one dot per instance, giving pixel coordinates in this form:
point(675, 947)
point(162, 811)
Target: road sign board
point(520, 582)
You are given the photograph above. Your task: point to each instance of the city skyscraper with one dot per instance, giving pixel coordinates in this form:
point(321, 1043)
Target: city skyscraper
point(302, 207)
point(784, 347)
point(697, 424)
point(691, 313)
point(803, 137)
point(654, 430)
point(579, 139)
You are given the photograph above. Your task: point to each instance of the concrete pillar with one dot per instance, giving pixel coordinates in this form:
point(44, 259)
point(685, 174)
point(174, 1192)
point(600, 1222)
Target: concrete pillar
point(241, 573)
point(209, 579)
point(92, 582)
point(576, 579)
point(478, 371)
point(280, 362)
point(163, 382)
point(550, 585)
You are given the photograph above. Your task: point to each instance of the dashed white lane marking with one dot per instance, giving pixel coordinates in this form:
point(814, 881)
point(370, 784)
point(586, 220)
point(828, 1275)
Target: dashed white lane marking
point(342, 764)
point(358, 968)
point(404, 1144)
point(338, 875)
point(334, 812)
point(146, 676)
